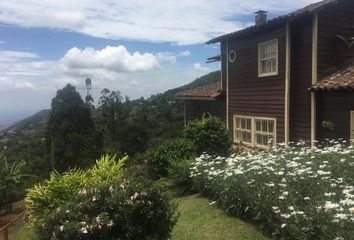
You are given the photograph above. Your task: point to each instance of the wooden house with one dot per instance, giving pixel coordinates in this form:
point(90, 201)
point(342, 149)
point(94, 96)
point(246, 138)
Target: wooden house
point(203, 101)
point(291, 77)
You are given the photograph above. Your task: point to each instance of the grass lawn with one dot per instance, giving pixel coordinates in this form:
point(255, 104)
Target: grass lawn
point(200, 221)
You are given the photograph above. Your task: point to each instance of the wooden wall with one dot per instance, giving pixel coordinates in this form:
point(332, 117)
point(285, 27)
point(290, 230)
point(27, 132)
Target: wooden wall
point(223, 64)
point(337, 19)
point(334, 106)
point(253, 95)
point(196, 108)
point(300, 79)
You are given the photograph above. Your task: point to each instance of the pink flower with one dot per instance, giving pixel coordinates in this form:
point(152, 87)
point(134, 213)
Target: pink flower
point(61, 228)
point(94, 198)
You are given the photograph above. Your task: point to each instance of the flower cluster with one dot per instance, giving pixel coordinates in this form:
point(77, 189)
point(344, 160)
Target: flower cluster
point(297, 192)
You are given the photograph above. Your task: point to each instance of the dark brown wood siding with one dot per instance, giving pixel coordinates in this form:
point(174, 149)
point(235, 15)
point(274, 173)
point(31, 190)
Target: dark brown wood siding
point(334, 106)
point(223, 65)
point(336, 20)
point(196, 108)
point(252, 95)
point(300, 80)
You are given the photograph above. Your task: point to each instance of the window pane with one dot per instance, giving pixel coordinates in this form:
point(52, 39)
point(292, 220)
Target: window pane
point(264, 126)
point(248, 124)
point(258, 125)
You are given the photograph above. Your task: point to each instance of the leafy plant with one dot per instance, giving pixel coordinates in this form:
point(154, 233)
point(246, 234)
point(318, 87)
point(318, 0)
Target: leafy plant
point(208, 135)
point(99, 203)
point(179, 172)
point(172, 150)
point(327, 125)
point(11, 176)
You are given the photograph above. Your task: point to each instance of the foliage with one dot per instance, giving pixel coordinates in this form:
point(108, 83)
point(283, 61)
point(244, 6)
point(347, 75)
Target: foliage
point(179, 172)
point(295, 192)
point(171, 150)
point(72, 137)
point(328, 125)
point(11, 175)
point(99, 203)
point(43, 198)
point(208, 135)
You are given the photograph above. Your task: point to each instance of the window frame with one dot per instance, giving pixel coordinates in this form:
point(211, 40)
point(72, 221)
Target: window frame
point(260, 45)
point(241, 129)
point(254, 131)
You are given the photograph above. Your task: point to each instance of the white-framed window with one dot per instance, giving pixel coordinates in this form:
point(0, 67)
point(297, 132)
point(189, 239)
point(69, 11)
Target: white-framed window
point(255, 131)
point(243, 129)
point(268, 58)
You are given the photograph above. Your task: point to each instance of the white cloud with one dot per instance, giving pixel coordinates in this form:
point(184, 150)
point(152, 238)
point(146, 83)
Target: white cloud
point(111, 65)
point(198, 67)
point(181, 22)
point(185, 53)
point(116, 59)
point(14, 56)
point(6, 83)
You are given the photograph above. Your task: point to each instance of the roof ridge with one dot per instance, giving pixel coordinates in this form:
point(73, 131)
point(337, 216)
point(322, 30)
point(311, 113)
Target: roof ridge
point(291, 15)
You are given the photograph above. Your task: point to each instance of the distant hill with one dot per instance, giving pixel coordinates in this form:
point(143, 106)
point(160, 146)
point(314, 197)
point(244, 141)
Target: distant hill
point(32, 123)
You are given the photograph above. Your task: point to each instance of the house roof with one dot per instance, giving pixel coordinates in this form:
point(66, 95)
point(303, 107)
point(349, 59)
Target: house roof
point(206, 92)
point(278, 20)
point(342, 79)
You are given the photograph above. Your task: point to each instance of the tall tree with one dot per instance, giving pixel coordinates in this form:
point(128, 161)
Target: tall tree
point(72, 137)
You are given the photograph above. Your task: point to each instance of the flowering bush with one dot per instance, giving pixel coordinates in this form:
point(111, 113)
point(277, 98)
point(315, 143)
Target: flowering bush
point(129, 211)
point(99, 203)
point(294, 192)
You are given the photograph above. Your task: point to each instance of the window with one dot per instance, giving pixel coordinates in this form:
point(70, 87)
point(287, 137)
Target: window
point(243, 129)
point(264, 132)
point(255, 131)
point(268, 58)
point(232, 56)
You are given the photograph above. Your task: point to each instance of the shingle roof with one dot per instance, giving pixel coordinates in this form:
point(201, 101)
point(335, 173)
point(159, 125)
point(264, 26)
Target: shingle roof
point(207, 92)
point(292, 15)
point(342, 79)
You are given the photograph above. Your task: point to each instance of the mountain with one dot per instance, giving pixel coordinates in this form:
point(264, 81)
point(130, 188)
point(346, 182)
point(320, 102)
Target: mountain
point(33, 123)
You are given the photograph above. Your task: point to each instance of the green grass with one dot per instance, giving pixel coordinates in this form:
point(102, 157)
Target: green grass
point(200, 221)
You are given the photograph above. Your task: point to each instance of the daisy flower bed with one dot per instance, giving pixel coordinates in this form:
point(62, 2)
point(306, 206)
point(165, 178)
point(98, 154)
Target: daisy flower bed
point(295, 192)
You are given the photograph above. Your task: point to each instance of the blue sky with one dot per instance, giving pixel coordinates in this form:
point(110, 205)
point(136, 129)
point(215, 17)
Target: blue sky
point(137, 47)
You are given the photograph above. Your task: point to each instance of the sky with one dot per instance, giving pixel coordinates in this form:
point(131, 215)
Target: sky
point(139, 47)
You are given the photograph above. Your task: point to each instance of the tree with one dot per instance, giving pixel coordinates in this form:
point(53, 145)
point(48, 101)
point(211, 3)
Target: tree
point(72, 137)
point(10, 177)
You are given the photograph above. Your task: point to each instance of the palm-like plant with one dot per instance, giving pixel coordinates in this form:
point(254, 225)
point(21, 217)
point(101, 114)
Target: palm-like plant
point(10, 176)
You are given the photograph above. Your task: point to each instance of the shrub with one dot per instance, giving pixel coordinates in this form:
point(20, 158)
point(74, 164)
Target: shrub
point(208, 135)
point(99, 203)
point(169, 151)
point(130, 211)
point(180, 174)
point(295, 192)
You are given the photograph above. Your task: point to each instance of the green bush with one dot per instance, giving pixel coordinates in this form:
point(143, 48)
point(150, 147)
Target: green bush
point(99, 203)
point(127, 212)
point(170, 151)
point(179, 172)
point(208, 135)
